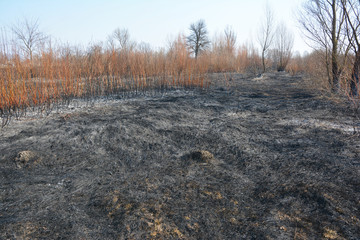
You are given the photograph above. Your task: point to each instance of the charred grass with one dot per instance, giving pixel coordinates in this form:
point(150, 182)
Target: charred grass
point(249, 159)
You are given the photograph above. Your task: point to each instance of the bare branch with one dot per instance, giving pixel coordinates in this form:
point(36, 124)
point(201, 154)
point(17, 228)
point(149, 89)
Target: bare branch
point(284, 43)
point(29, 35)
point(198, 40)
point(122, 36)
point(323, 22)
point(266, 34)
point(230, 39)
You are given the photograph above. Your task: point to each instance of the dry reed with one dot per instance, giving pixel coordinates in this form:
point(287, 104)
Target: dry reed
point(58, 74)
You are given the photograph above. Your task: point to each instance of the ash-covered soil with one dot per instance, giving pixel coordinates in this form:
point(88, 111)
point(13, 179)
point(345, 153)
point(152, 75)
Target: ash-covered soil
point(245, 159)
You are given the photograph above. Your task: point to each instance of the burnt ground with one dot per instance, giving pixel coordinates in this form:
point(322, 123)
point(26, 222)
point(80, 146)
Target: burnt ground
point(246, 159)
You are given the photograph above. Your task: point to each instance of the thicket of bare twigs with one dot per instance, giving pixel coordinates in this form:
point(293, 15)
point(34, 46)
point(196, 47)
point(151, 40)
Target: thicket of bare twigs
point(332, 29)
point(37, 74)
point(42, 76)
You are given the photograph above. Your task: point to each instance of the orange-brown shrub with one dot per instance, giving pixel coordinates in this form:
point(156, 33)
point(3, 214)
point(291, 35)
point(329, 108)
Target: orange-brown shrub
point(55, 75)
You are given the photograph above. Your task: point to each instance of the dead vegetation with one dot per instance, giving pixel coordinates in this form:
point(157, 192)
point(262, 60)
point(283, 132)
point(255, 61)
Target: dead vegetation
point(259, 160)
point(44, 76)
point(26, 159)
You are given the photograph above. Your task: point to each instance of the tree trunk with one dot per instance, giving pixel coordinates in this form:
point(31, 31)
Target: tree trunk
point(196, 51)
point(335, 72)
point(327, 62)
point(354, 83)
point(334, 52)
point(263, 61)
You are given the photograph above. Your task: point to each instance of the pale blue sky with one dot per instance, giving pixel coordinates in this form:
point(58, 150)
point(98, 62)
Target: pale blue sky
point(151, 21)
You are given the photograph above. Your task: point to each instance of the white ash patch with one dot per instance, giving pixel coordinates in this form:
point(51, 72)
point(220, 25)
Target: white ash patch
point(344, 127)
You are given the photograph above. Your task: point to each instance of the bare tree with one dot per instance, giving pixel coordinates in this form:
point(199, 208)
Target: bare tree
point(110, 42)
point(29, 36)
point(322, 22)
point(266, 34)
point(230, 40)
point(223, 48)
point(351, 10)
point(122, 37)
point(3, 44)
point(198, 40)
point(225, 43)
point(284, 42)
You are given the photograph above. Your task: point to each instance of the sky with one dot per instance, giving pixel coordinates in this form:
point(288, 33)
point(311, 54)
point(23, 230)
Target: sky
point(81, 22)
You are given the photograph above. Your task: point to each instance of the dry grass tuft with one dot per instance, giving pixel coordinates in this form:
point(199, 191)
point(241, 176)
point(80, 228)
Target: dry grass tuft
point(27, 159)
point(202, 156)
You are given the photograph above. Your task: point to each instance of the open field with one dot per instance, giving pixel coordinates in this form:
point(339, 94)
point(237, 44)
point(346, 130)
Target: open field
point(243, 159)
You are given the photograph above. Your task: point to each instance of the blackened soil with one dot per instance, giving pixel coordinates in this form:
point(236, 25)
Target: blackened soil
point(245, 159)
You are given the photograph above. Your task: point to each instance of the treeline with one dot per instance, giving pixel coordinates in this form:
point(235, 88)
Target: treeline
point(333, 29)
point(37, 74)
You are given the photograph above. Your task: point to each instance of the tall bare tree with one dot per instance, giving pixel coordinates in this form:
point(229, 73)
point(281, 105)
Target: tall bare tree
point(198, 39)
point(230, 40)
point(29, 36)
point(4, 48)
point(122, 36)
point(223, 47)
point(323, 22)
point(266, 34)
point(284, 42)
point(120, 39)
point(110, 43)
point(225, 43)
point(351, 10)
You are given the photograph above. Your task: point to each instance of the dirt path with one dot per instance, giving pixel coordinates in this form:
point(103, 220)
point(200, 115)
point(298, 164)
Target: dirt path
point(263, 160)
